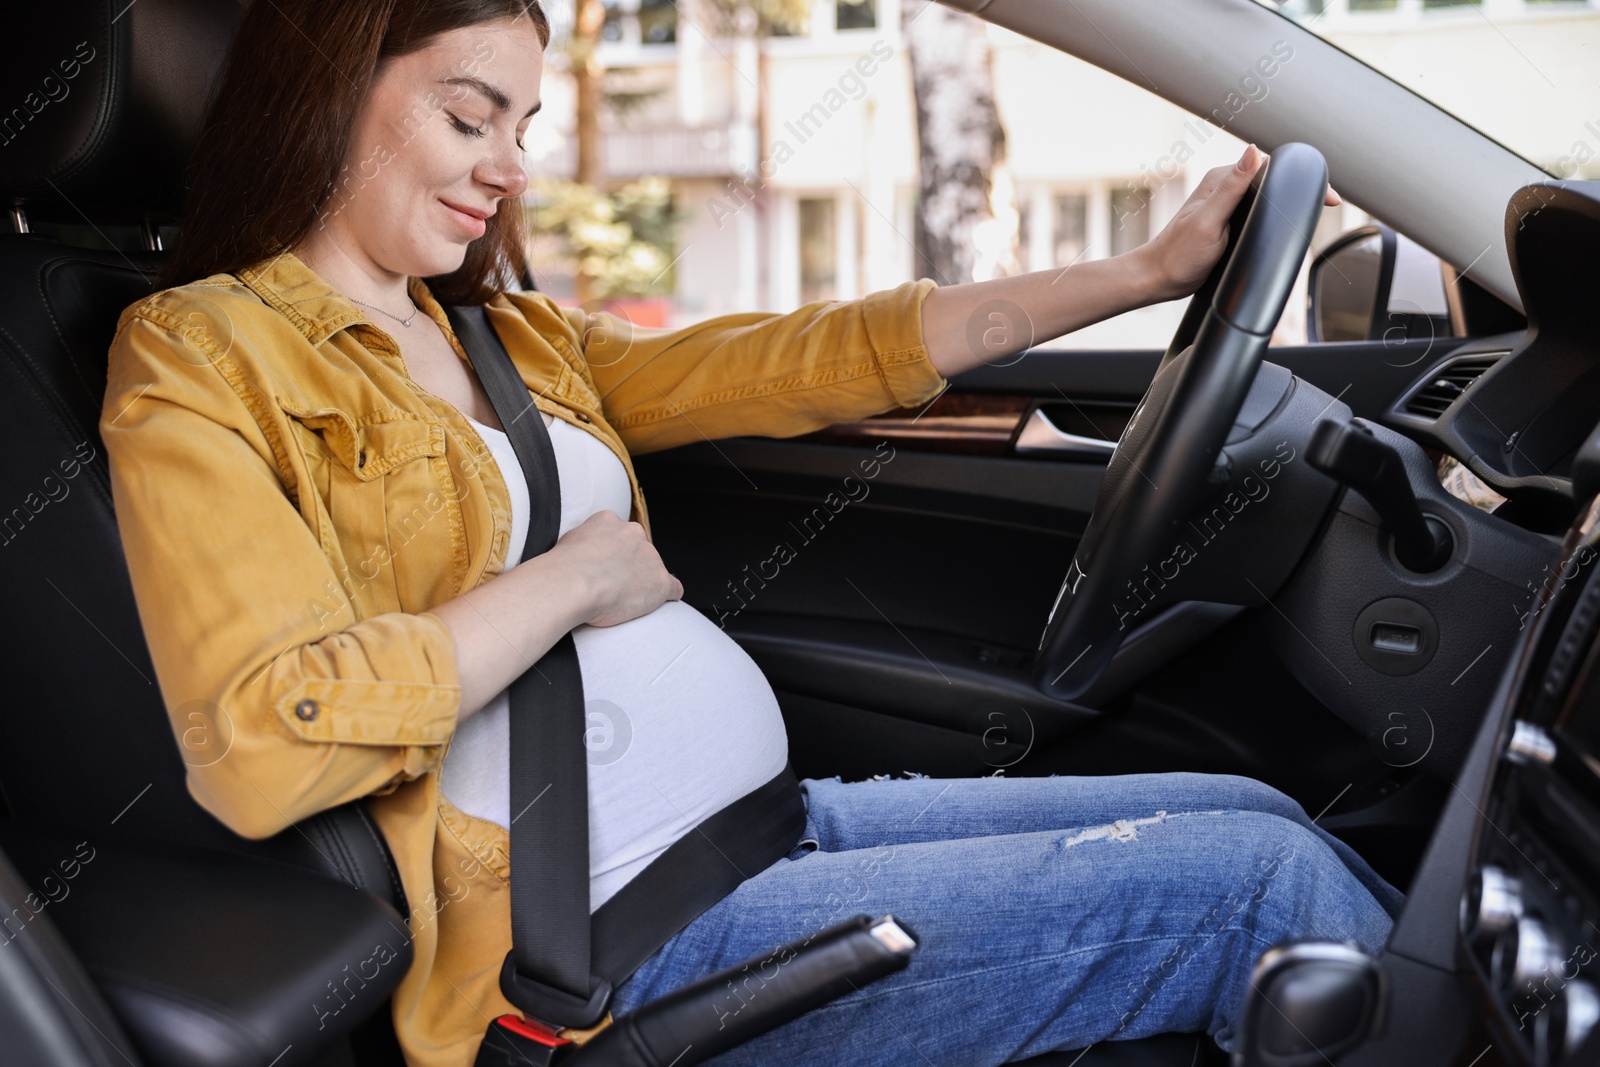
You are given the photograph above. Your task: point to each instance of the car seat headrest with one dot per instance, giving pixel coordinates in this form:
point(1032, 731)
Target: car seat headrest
point(101, 103)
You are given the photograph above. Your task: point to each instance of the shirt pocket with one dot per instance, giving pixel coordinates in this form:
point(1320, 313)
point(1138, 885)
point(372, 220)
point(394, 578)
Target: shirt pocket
point(377, 487)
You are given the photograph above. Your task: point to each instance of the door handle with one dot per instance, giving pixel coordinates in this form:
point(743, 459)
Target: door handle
point(1040, 435)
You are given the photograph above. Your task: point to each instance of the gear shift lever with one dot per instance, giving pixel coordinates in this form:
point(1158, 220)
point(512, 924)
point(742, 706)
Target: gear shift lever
point(1309, 1002)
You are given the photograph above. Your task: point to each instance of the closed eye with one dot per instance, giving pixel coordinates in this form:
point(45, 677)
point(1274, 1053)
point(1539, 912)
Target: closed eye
point(475, 131)
point(471, 131)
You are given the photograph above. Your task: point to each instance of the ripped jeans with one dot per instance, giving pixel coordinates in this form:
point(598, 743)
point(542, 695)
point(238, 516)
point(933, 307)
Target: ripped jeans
point(1052, 912)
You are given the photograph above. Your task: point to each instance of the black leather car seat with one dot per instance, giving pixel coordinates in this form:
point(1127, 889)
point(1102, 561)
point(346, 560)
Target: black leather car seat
point(109, 96)
point(87, 737)
point(106, 99)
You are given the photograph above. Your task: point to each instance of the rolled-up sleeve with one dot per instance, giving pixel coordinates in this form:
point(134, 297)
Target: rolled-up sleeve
point(283, 703)
point(773, 375)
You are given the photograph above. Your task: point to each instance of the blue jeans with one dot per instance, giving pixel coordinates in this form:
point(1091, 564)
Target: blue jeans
point(1052, 912)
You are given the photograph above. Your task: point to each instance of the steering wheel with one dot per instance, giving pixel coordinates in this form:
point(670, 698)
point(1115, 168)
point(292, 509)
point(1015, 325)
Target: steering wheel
point(1164, 465)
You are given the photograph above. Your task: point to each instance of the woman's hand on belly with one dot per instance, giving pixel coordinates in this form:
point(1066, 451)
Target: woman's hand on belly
point(618, 568)
point(602, 572)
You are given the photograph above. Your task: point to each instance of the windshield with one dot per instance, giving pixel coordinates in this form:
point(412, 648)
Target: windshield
point(1524, 72)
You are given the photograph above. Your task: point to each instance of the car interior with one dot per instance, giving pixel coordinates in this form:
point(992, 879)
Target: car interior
point(1225, 557)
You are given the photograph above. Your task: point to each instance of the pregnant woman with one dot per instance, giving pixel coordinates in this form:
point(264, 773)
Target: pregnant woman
point(323, 521)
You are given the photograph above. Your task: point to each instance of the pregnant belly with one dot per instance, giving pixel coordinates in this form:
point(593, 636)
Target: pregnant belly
point(680, 723)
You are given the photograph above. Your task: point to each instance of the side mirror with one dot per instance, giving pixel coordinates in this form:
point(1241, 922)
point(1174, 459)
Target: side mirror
point(1372, 284)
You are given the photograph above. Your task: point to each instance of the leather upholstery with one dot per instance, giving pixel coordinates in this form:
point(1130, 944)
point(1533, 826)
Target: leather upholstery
point(88, 740)
point(71, 1024)
point(106, 99)
point(214, 958)
point(78, 645)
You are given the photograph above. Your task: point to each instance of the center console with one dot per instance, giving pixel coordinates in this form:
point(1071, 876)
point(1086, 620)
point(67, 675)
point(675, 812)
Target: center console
point(1530, 907)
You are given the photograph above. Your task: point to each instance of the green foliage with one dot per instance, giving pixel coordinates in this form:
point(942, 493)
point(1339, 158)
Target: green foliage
point(791, 15)
point(628, 104)
point(735, 17)
point(623, 240)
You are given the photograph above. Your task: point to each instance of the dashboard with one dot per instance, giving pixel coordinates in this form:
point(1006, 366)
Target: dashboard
point(1530, 907)
point(1496, 959)
point(1516, 407)
point(1522, 413)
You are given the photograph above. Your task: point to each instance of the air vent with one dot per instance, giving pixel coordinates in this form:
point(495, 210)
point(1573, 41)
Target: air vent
point(1448, 383)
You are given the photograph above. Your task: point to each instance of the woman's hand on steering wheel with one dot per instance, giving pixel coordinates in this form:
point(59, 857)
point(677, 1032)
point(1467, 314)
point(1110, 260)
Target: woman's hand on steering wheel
point(1165, 464)
point(1181, 256)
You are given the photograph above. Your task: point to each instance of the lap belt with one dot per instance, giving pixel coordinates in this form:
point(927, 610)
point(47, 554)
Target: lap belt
point(564, 964)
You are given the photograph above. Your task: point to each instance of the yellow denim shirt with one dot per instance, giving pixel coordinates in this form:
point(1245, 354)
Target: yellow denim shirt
point(292, 504)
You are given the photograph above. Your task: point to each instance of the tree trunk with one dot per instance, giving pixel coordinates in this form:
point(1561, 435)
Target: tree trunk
point(589, 17)
point(966, 227)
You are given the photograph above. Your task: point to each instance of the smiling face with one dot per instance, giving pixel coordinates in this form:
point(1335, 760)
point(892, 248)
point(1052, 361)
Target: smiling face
point(435, 149)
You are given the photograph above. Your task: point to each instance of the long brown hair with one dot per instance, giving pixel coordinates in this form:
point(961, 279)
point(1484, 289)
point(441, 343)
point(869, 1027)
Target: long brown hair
point(278, 127)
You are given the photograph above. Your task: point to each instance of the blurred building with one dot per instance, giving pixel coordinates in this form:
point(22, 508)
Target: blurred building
point(823, 123)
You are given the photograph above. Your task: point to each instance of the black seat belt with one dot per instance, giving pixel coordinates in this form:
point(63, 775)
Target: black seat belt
point(564, 964)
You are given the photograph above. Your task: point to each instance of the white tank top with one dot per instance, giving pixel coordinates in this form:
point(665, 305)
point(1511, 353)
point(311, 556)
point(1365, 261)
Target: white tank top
point(680, 721)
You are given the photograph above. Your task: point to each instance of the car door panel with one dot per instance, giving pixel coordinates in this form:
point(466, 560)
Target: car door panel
point(939, 541)
point(952, 530)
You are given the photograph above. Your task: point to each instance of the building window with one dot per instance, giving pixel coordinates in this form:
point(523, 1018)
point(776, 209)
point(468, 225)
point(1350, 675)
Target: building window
point(1072, 228)
point(819, 249)
point(612, 31)
point(658, 21)
point(1024, 233)
point(1130, 218)
point(856, 15)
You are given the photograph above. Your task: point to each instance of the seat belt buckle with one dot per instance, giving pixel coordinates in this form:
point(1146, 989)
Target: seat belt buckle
point(541, 1001)
point(513, 1041)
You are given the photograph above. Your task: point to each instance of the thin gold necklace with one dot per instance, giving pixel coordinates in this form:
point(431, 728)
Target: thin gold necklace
point(404, 322)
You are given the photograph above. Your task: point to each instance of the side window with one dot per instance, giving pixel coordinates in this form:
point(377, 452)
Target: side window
point(1065, 224)
point(1130, 218)
point(1069, 230)
point(793, 170)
